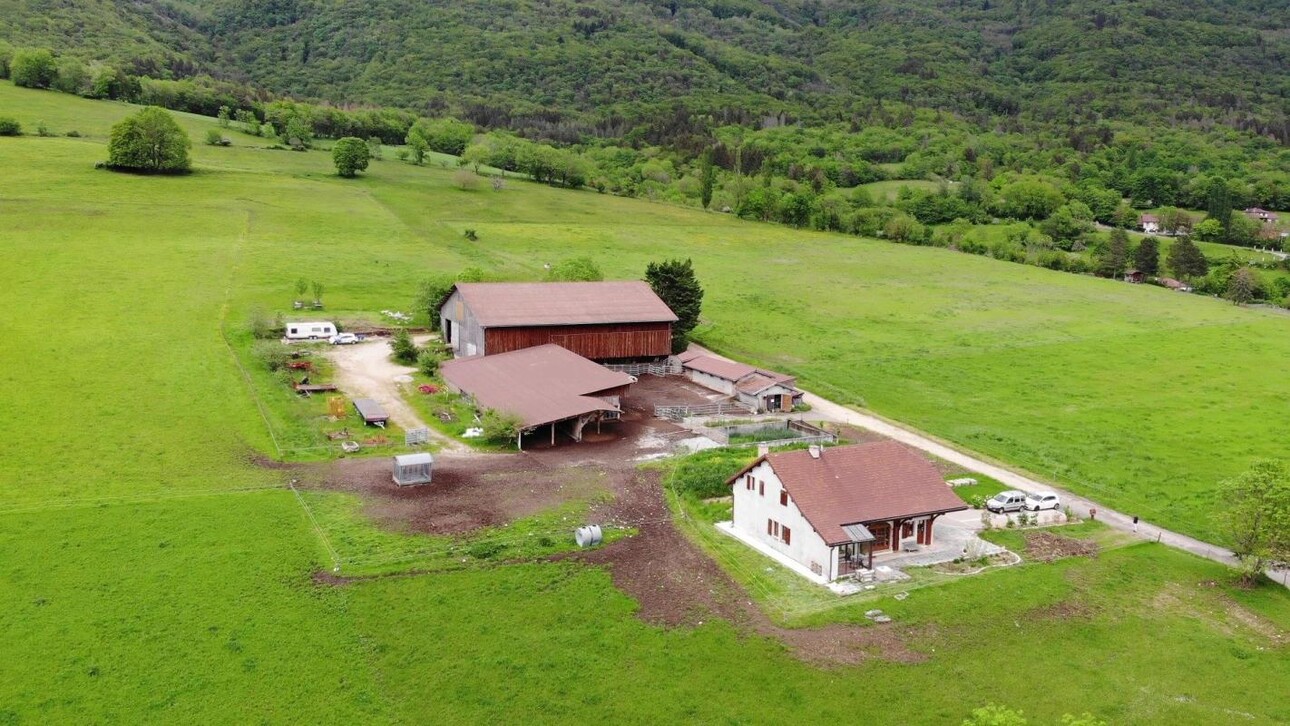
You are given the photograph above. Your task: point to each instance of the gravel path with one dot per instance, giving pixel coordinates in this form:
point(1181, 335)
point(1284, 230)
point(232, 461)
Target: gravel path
point(366, 370)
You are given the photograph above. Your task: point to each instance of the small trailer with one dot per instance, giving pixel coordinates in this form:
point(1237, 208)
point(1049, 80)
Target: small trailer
point(410, 469)
point(310, 331)
point(371, 412)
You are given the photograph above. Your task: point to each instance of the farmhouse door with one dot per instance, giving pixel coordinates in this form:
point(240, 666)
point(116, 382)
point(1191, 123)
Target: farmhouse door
point(881, 532)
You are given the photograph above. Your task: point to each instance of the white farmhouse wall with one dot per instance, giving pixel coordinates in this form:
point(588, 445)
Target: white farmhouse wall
point(712, 382)
point(752, 508)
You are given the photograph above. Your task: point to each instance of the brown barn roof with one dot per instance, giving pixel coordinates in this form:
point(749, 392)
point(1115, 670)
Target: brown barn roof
point(747, 378)
point(513, 304)
point(541, 385)
point(860, 484)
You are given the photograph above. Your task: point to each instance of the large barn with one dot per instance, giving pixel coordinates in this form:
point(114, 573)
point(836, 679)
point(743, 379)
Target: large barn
point(603, 321)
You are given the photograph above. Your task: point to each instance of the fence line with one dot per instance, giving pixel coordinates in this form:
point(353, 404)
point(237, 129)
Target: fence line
point(640, 369)
point(679, 412)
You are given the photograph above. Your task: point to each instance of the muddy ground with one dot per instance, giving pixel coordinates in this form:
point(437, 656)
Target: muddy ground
point(674, 581)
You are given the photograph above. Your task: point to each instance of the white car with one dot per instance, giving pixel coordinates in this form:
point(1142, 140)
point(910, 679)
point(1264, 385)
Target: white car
point(343, 339)
point(1042, 500)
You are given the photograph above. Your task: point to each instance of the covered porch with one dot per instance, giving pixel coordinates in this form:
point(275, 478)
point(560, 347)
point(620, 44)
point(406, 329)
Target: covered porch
point(870, 539)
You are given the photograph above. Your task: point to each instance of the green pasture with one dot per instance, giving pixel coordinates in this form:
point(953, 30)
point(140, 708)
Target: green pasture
point(155, 569)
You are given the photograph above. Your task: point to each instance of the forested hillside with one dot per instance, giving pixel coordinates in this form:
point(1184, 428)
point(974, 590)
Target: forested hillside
point(564, 68)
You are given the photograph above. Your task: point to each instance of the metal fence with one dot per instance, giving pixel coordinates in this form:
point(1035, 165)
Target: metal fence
point(796, 432)
point(682, 412)
point(669, 368)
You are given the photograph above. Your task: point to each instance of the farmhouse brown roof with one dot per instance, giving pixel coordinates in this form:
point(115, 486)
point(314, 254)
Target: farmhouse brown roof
point(540, 385)
point(514, 304)
point(859, 484)
point(1149, 218)
point(746, 378)
point(758, 382)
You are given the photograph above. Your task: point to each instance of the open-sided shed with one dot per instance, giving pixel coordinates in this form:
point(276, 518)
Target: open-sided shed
point(412, 469)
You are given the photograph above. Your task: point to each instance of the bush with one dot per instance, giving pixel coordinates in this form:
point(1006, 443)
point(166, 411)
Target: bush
point(10, 126)
point(470, 234)
point(405, 351)
point(42, 129)
point(263, 328)
point(428, 362)
point(215, 138)
point(73, 134)
point(273, 355)
point(351, 156)
point(500, 427)
point(703, 475)
point(466, 180)
point(33, 68)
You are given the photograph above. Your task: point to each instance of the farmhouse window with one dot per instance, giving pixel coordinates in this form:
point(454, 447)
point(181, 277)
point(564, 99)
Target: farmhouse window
point(783, 497)
point(761, 488)
point(788, 535)
point(770, 527)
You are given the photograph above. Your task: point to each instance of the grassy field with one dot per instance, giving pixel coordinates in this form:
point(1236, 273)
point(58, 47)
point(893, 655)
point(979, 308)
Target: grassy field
point(155, 570)
point(886, 191)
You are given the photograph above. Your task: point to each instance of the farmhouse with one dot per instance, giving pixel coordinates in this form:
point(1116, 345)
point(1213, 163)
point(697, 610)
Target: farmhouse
point(757, 388)
point(1262, 216)
point(603, 321)
point(1150, 223)
point(832, 509)
point(545, 386)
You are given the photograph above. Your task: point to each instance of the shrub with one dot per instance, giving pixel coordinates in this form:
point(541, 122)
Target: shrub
point(73, 134)
point(264, 328)
point(273, 355)
point(405, 351)
point(42, 129)
point(703, 475)
point(428, 362)
point(500, 427)
point(10, 126)
point(470, 234)
point(33, 68)
point(351, 156)
point(466, 180)
point(215, 138)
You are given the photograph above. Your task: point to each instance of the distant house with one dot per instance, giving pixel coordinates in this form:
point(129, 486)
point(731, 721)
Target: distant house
point(1150, 223)
point(604, 321)
point(544, 386)
point(757, 388)
point(1262, 216)
point(1173, 284)
point(832, 509)
point(1134, 276)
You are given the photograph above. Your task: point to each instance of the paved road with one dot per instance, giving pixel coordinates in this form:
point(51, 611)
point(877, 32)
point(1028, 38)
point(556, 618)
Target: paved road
point(1081, 505)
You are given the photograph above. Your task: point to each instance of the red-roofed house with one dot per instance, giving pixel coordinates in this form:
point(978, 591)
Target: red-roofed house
point(621, 320)
point(1261, 215)
point(757, 388)
point(1150, 223)
point(831, 509)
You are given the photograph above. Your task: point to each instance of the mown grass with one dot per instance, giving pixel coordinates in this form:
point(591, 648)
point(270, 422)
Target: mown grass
point(142, 585)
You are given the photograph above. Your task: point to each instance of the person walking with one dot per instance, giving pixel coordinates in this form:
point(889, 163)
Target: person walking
point(1135, 524)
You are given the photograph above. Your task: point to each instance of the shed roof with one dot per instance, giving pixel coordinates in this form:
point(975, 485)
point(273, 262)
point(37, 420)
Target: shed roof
point(749, 379)
point(541, 385)
point(859, 484)
point(423, 457)
point(515, 304)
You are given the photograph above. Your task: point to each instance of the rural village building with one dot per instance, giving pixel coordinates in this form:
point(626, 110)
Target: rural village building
point(831, 509)
point(757, 388)
point(543, 386)
point(603, 321)
point(1150, 223)
point(1262, 216)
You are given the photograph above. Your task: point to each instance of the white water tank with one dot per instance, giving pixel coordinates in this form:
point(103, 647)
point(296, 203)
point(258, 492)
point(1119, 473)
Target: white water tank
point(588, 535)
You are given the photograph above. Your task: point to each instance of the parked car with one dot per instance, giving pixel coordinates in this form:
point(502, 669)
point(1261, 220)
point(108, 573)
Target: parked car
point(343, 339)
point(1042, 500)
point(1009, 501)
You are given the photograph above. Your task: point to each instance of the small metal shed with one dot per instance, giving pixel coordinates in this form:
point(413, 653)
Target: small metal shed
point(412, 469)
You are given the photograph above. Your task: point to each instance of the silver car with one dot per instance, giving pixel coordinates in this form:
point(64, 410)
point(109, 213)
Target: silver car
point(1009, 501)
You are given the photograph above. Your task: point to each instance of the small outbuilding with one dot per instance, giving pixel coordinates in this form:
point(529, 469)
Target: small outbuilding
point(759, 389)
point(411, 469)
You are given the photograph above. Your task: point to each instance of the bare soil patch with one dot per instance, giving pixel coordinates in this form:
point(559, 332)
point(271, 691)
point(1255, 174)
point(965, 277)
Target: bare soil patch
point(1046, 547)
point(674, 581)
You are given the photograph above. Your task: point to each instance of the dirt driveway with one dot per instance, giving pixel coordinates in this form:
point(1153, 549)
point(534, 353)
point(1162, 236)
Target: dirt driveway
point(366, 370)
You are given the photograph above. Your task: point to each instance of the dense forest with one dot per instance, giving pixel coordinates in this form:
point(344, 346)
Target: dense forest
point(1057, 114)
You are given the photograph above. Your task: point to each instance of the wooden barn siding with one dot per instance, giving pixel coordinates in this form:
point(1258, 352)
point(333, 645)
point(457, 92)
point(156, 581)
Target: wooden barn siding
point(598, 342)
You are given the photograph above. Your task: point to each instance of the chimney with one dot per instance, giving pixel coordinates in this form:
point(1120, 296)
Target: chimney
point(763, 449)
point(814, 451)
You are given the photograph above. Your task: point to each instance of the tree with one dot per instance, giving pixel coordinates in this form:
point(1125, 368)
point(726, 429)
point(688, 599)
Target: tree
point(374, 147)
point(428, 362)
point(33, 68)
point(72, 77)
point(1174, 220)
point(225, 116)
point(1210, 230)
point(675, 283)
point(1257, 517)
point(1115, 257)
point(417, 143)
point(1146, 258)
point(1185, 260)
point(350, 155)
point(466, 180)
point(707, 179)
point(405, 351)
point(1240, 287)
point(1069, 225)
point(149, 141)
point(1218, 200)
point(575, 269)
point(444, 135)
